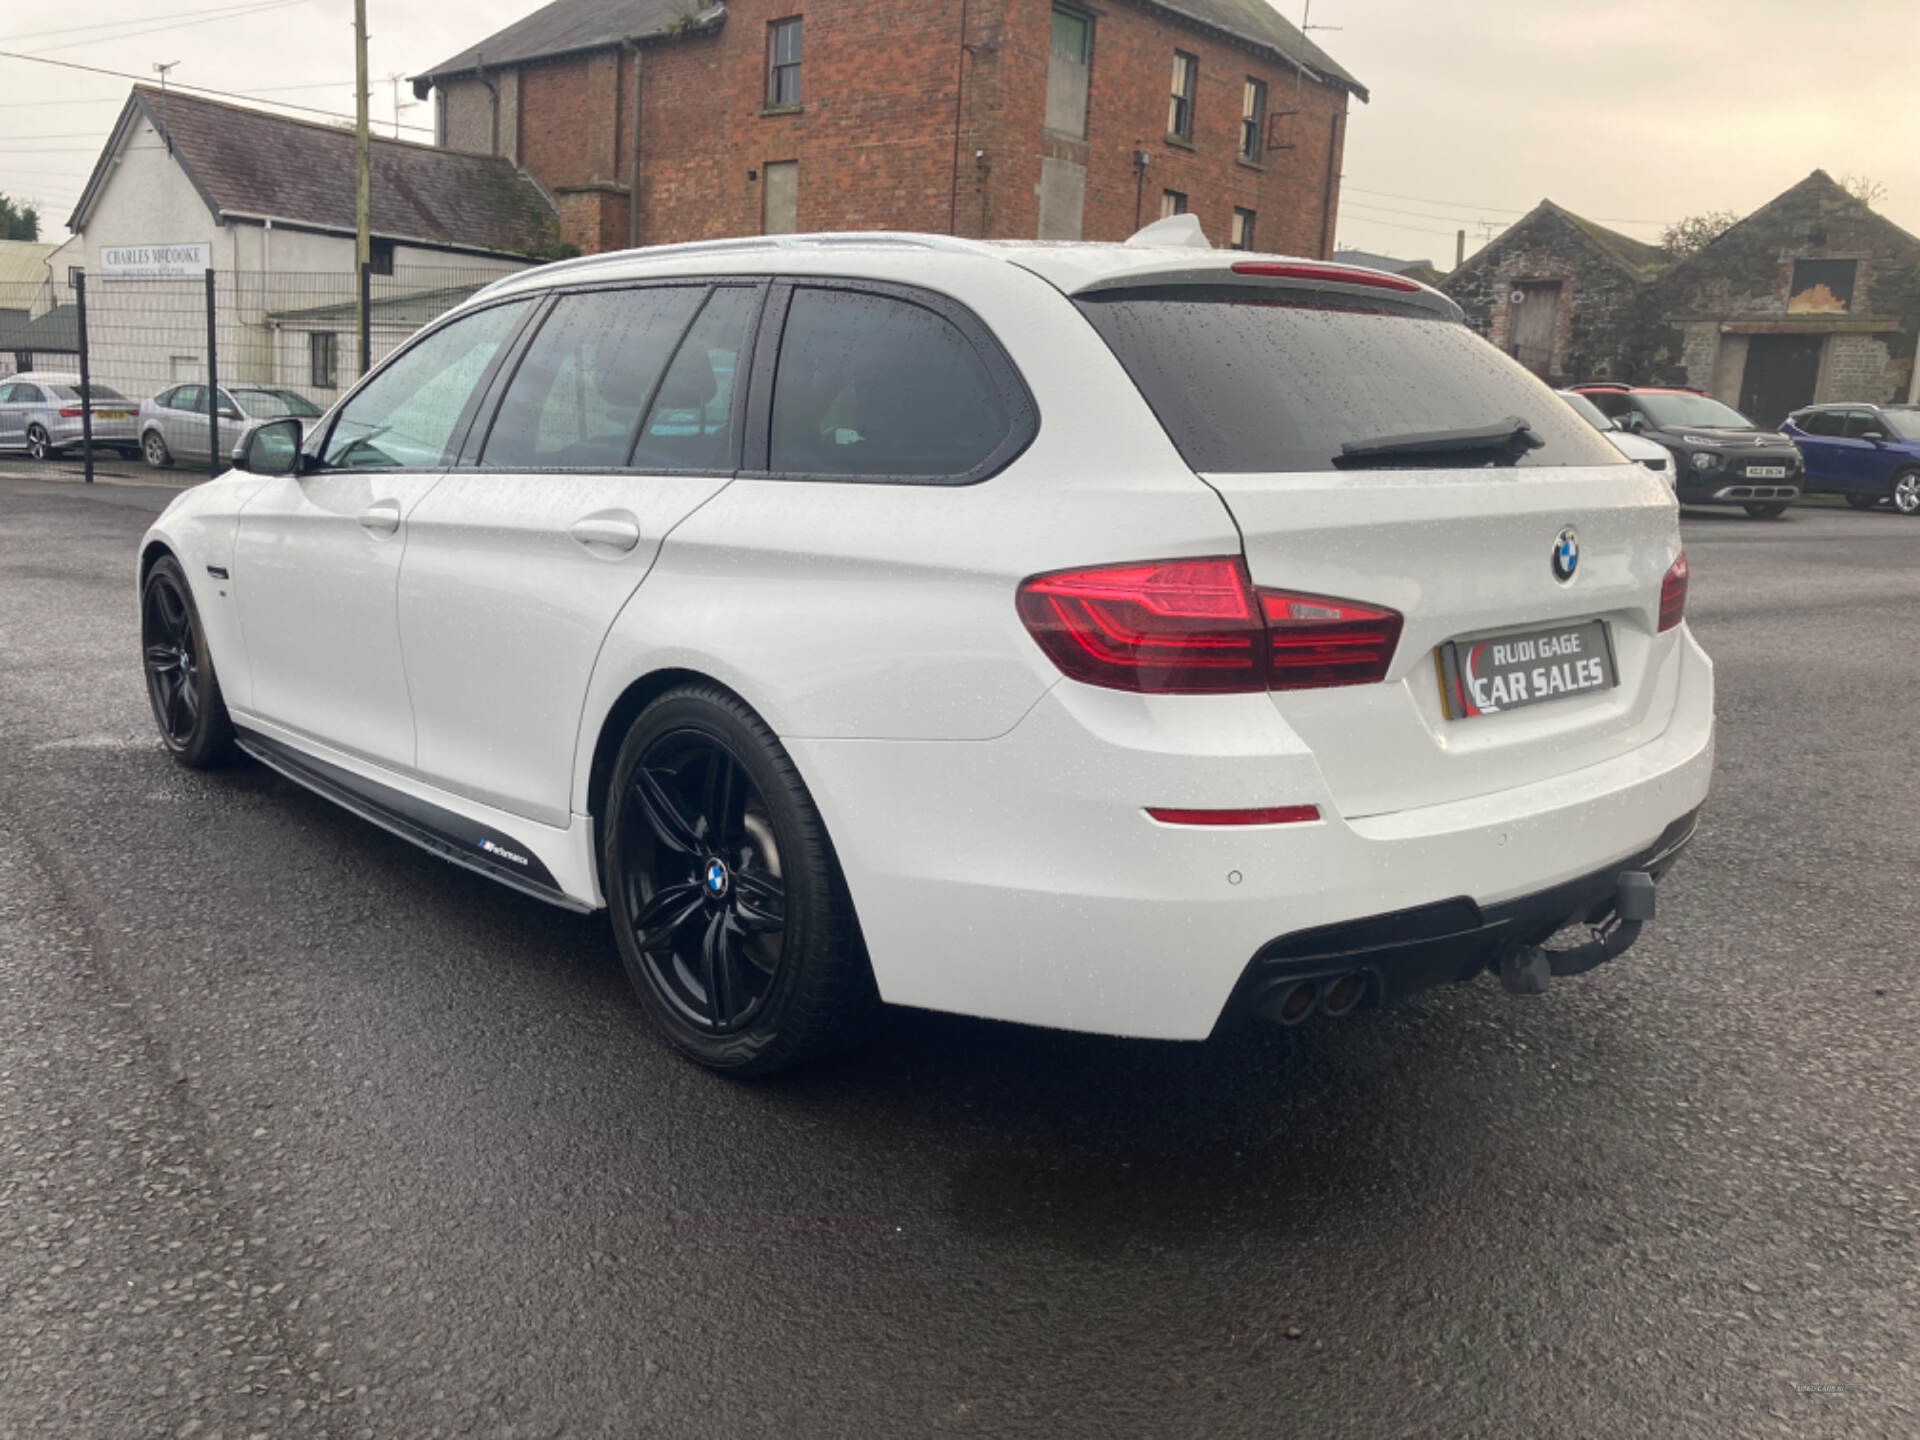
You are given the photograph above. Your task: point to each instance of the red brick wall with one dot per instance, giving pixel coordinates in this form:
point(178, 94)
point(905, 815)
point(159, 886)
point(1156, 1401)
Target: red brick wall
point(874, 136)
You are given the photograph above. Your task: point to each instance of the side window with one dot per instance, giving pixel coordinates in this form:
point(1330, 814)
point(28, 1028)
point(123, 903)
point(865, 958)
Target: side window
point(1861, 422)
point(405, 416)
point(6, 394)
point(191, 397)
point(1612, 404)
point(871, 385)
point(690, 424)
point(576, 399)
point(28, 395)
point(1822, 422)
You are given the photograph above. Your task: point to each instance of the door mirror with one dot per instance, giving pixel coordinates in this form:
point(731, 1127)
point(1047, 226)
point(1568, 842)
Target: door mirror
point(1877, 436)
point(273, 449)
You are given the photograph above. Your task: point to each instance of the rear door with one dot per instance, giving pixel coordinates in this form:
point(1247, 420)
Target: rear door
point(1869, 461)
point(1818, 441)
point(619, 418)
point(1265, 390)
point(185, 422)
point(10, 429)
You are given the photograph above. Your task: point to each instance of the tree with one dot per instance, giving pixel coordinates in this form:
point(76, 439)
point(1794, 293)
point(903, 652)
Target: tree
point(18, 222)
point(1696, 232)
point(1864, 188)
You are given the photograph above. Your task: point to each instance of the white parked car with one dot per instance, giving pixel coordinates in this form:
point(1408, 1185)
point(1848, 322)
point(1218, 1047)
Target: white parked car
point(1636, 448)
point(1122, 638)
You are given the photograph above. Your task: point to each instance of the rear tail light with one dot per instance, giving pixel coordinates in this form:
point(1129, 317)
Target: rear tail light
point(1673, 594)
point(1314, 641)
point(69, 414)
point(1187, 627)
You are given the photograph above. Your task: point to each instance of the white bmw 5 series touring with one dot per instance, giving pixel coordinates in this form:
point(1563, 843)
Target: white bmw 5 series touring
point(1123, 638)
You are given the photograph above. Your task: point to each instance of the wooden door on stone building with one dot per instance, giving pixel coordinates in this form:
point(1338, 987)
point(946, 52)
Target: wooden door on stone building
point(1536, 315)
point(1780, 375)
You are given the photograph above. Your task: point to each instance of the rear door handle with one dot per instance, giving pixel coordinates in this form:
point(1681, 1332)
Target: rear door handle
point(611, 532)
point(382, 517)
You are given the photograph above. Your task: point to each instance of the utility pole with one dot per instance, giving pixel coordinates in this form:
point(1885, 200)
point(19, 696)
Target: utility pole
point(362, 184)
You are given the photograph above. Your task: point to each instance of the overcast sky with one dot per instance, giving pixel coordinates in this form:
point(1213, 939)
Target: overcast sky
point(1635, 113)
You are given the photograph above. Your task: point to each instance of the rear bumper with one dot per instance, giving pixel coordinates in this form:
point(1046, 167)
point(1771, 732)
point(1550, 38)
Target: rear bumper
point(1449, 941)
point(1021, 878)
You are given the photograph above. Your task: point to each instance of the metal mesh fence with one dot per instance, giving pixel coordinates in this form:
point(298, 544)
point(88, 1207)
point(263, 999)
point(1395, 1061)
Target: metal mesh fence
point(276, 344)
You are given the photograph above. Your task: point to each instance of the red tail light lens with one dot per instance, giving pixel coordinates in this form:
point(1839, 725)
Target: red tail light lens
point(1167, 627)
point(1186, 627)
point(1673, 594)
point(69, 414)
point(1270, 815)
point(1315, 641)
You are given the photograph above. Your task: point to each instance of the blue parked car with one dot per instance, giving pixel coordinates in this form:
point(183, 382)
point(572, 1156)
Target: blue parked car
point(1867, 453)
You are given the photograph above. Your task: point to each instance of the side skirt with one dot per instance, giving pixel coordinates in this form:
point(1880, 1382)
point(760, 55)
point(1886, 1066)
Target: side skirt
point(440, 832)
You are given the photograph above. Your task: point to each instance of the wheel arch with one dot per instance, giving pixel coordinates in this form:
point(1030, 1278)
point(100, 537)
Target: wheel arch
point(150, 553)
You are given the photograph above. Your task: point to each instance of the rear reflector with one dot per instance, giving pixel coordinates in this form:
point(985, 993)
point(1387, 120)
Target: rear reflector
point(1272, 815)
point(1315, 641)
point(1332, 274)
point(1673, 594)
point(1187, 627)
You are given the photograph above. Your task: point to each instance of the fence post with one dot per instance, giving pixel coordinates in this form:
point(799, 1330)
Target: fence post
point(213, 386)
point(366, 318)
point(86, 378)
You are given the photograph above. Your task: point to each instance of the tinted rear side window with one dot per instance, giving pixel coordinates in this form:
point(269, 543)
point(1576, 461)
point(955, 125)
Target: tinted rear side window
point(869, 385)
point(1247, 380)
point(690, 423)
point(576, 399)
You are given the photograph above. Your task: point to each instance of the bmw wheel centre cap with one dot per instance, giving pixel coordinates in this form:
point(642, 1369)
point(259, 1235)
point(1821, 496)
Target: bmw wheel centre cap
point(716, 877)
point(1566, 555)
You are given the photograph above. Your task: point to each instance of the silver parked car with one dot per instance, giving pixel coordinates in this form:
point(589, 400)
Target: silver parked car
point(40, 413)
point(173, 425)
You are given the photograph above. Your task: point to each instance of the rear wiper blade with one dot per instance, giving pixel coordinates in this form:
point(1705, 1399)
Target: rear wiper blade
point(1506, 439)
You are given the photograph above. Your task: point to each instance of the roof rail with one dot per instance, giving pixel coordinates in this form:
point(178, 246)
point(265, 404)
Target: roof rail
point(748, 244)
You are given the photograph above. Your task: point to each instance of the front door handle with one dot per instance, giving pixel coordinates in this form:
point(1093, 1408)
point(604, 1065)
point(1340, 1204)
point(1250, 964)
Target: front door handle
point(382, 517)
point(610, 532)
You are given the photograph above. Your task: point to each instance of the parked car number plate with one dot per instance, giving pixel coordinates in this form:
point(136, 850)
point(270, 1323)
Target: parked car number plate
point(1485, 677)
point(1766, 472)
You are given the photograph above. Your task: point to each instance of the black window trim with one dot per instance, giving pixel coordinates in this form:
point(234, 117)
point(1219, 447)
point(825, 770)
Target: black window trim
point(1023, 414)
point(468, 454)
point(313, 449)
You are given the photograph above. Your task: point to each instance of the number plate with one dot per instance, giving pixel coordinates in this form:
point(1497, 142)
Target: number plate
point(1485, 677)
point(112, 415)
point(1766, 472)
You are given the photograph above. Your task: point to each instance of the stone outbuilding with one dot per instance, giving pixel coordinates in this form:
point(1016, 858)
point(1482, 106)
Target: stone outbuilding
point(1814, 297)
point(1561, 294)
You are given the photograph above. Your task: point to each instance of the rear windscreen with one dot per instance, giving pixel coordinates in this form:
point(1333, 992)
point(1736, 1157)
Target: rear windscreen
point(1248, 380)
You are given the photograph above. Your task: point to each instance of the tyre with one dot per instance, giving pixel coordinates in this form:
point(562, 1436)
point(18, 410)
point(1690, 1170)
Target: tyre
point(181, 686)
point(1862, 502)
point(39, 443)
point(1905, 492)
point(733, 920)
point(154, 448)
point(1769, 512)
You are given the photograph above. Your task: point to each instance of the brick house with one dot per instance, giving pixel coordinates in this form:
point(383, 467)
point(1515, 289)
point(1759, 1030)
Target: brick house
point(1561, 294)
point(1813, 297)
point(653, 121)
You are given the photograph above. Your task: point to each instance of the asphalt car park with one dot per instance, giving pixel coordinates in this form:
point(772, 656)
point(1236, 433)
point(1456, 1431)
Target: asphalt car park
point(302, 1131)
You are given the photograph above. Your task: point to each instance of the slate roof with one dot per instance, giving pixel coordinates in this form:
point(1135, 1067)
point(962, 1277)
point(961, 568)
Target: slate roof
point(1368, 260)
point(567, 27)
point(248, 163)
point(56, 332)
point(1632, 253)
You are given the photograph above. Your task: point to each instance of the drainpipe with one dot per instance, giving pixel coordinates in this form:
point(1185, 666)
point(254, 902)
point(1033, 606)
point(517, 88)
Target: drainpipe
point(1326, 195)
point(493, 107)
point(959, 97)
point(633, 155)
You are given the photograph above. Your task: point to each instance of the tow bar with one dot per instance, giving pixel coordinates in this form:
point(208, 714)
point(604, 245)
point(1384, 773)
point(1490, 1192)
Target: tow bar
point(1528, 969)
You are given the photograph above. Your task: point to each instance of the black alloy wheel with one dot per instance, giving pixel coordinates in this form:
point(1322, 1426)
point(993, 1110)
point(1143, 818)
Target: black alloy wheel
point(708, 908)
point(181, 686)
point(733, 920)
point(39, 444)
